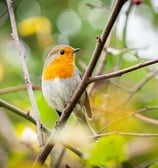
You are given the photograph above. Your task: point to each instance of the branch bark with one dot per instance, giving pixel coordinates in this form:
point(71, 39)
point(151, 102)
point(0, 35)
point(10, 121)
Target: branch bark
point(25, 71)
point(151, 135)
point(21, 113)
point(82, 86)
point(18, 88)
point(95, 56)
point(123, 71)
point(146, 119)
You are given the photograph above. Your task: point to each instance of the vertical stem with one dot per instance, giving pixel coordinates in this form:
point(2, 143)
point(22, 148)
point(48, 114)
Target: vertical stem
point(124, 39)
point(25, 71)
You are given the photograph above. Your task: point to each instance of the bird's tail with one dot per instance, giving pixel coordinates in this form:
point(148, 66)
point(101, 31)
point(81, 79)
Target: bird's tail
point(80, 115)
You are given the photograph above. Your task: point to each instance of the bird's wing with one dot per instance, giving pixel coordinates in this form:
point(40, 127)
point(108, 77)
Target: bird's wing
point(86, 102)
point(87, 105)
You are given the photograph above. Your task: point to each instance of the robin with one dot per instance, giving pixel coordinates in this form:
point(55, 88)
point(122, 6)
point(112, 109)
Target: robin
point(60, 79)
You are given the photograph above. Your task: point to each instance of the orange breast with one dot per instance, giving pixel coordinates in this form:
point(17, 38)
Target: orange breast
point(61, 67)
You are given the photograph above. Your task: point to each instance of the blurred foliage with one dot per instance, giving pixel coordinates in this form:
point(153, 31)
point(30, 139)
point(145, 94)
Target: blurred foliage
point(108, 158)
point(42, 24)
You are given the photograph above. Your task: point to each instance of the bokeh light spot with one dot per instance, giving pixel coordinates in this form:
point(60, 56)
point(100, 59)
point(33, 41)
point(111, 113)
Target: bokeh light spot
point(69, 22)
point(27, 9)
point(97, 18)
point(84, 9)
point(34, 25)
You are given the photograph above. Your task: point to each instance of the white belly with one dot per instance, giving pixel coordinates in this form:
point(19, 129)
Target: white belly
point(58, 92)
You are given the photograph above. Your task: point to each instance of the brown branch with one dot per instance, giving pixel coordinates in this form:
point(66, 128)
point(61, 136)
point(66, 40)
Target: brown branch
point(138, 87)
point(18, 88)
point(43, 154)
point(25, 71)
point(71, 148)
point(58, 162)
point(123, 71)
point(82, 86)
point(21, 113)
point(50, 144)
point(95, 56)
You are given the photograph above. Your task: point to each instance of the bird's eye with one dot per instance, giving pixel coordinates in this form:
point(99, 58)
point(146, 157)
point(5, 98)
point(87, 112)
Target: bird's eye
point(62, 52)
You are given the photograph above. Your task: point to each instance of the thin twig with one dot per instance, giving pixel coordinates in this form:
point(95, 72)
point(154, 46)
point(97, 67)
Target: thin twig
point(122, 71)
point(138, 87)
point(149, 164)
point(143, 82)
point(137, 115)
point(3, 13)
point(131, 93)
point(117, 52)
point(124, 37)
point(124, 34)
point(122, 87)
point(58, 162)
point(146, 109)
point(82, 86)
point(25, 71)
point(146, 119)
point(150, 135)
point(101, 63)
point(30, 118)
point(50, 144)
point(92, 6)
point(18, 88)
point(73, 149)
point(21, 113)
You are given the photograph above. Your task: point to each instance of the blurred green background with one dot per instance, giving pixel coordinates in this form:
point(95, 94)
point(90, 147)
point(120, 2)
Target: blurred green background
point(43, 24)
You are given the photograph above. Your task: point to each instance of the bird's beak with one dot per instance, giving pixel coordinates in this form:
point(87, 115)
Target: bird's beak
point(76, 50)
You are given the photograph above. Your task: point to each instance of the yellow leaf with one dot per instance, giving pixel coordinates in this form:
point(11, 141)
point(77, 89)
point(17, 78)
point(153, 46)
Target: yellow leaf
point(34, 25)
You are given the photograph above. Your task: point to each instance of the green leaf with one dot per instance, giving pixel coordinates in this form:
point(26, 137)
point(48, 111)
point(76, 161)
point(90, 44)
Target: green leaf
point(48, 115)
point(155, 165)
point(108, 151)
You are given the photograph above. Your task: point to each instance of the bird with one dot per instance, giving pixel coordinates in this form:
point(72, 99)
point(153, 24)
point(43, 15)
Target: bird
point(60, 78)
